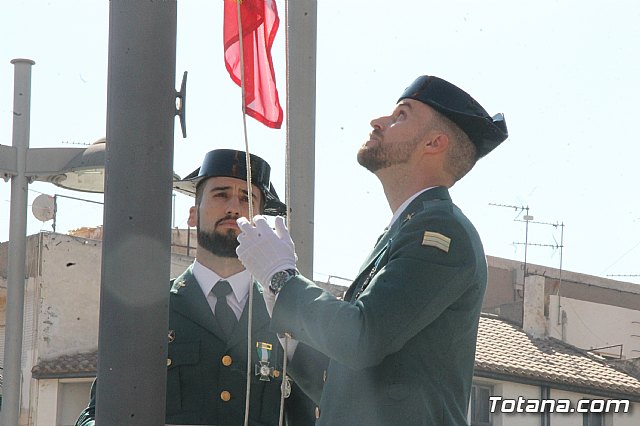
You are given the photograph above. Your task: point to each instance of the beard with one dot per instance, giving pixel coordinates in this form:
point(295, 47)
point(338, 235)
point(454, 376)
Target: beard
point(218, 243)
point(382, 156)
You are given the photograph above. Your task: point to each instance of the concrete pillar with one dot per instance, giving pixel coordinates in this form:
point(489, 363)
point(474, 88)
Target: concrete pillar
point(534, 322)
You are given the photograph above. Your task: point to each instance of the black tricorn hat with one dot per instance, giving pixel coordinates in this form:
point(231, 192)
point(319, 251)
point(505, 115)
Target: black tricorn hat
point(232, 163)
point(485, 132)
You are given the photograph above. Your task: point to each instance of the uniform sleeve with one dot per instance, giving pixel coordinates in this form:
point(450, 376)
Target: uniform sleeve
point(88, 415)
point(428, 265)
point(300, 408)
point(308, 368)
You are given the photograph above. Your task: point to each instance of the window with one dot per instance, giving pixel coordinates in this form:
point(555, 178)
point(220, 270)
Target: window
point(597, 419)
point(480, 414)
point(73, 397)
point(592, 419)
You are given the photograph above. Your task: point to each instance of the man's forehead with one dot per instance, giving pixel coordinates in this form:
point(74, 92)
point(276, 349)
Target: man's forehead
point(226, 182)
point(413, 106)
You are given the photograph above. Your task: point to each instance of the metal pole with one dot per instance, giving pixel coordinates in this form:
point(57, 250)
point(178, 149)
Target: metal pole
point(136, 255)
point(527, 218)
point(12, 373)
point(301, 125)
point(559, 292)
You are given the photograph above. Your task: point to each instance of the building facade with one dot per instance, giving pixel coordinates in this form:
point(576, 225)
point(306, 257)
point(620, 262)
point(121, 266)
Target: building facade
point(553, 336)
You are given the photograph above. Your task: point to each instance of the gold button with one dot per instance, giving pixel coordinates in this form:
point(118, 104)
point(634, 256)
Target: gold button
point(276, 373)
point(227, 360)
point(317, 413)
point(168, 362)
point(225, 396)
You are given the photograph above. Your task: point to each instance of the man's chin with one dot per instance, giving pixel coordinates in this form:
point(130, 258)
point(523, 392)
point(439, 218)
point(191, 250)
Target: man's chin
point(366, 160)
point(221, 244)
point(362, 156)
point(227, 231)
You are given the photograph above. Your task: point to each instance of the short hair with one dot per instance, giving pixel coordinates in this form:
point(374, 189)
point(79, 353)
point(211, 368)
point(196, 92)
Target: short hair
point(199, 191)
point(462, 154)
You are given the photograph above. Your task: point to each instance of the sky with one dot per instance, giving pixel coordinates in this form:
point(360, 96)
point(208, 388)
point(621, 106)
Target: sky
point(564, 73)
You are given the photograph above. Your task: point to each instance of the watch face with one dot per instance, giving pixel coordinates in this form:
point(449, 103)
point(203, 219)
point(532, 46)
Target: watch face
point(278, 276)
point(279, 279)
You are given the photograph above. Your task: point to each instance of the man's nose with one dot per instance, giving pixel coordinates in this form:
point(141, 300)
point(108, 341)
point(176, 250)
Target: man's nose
point(233, 206)
point(380, 123)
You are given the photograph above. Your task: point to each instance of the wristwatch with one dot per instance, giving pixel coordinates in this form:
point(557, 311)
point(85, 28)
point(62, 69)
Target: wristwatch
point(280, 278)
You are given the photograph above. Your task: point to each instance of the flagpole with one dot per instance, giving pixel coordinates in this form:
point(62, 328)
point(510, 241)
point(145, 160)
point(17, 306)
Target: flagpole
point(301, 30)
point(136, 247)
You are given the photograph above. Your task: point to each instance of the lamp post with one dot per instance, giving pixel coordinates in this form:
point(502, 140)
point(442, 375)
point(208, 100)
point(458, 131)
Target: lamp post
point(22, 165)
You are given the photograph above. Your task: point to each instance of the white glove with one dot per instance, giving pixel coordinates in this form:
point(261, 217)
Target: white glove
point(264, 251)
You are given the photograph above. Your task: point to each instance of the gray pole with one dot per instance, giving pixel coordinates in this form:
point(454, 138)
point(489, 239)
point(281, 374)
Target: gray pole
point(301, 126)
point(12, 373)
point(134, 294)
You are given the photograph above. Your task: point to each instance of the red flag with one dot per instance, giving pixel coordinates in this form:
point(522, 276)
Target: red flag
point(259, 26)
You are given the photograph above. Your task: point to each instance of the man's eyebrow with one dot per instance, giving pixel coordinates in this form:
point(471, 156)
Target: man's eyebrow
point(226, 188)
point(404, 103)
point(219, 188)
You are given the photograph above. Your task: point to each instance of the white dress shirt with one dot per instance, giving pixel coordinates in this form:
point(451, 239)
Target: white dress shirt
point(240, 283)
point(404, 205)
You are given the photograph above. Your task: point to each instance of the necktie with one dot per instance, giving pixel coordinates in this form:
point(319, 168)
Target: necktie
point(223, 312)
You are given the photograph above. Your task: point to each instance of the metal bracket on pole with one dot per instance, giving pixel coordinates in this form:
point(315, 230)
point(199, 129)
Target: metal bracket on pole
point(49, 161)
point(8, 162)
point(181, 108)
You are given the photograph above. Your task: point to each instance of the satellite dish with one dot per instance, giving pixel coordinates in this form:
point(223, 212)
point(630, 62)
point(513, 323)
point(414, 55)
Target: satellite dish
point(43, 207)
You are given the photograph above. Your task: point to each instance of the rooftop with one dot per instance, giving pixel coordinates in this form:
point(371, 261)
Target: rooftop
point(504, 352)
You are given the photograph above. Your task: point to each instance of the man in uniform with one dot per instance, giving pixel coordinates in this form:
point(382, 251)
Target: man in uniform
point(209, 315)
point(401, 344)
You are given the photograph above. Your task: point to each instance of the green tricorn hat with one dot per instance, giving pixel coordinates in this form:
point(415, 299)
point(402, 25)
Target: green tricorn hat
point(232, 163)
point(485, 132)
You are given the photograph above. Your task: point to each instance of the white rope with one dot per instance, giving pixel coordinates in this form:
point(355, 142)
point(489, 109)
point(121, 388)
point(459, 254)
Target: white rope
point(249, 192)
point(250, 198)
point(287, 199)
point(251, 293)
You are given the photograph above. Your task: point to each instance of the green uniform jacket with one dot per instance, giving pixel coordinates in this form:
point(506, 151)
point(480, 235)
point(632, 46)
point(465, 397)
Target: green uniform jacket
point(206, 376)
point(401, 352)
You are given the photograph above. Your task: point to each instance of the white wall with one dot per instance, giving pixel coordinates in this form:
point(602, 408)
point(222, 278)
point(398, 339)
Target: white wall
point(592, 325)
point(61, 401)
point(69, 296)
point(511, 390)
point(65, 303)
point(47, 398)
point(73, 397)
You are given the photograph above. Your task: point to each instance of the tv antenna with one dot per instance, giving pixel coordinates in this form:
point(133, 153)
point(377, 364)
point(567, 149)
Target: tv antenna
point(527, 218)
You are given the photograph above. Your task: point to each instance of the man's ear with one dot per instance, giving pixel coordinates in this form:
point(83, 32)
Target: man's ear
point(193, 217)
point(437, 142)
